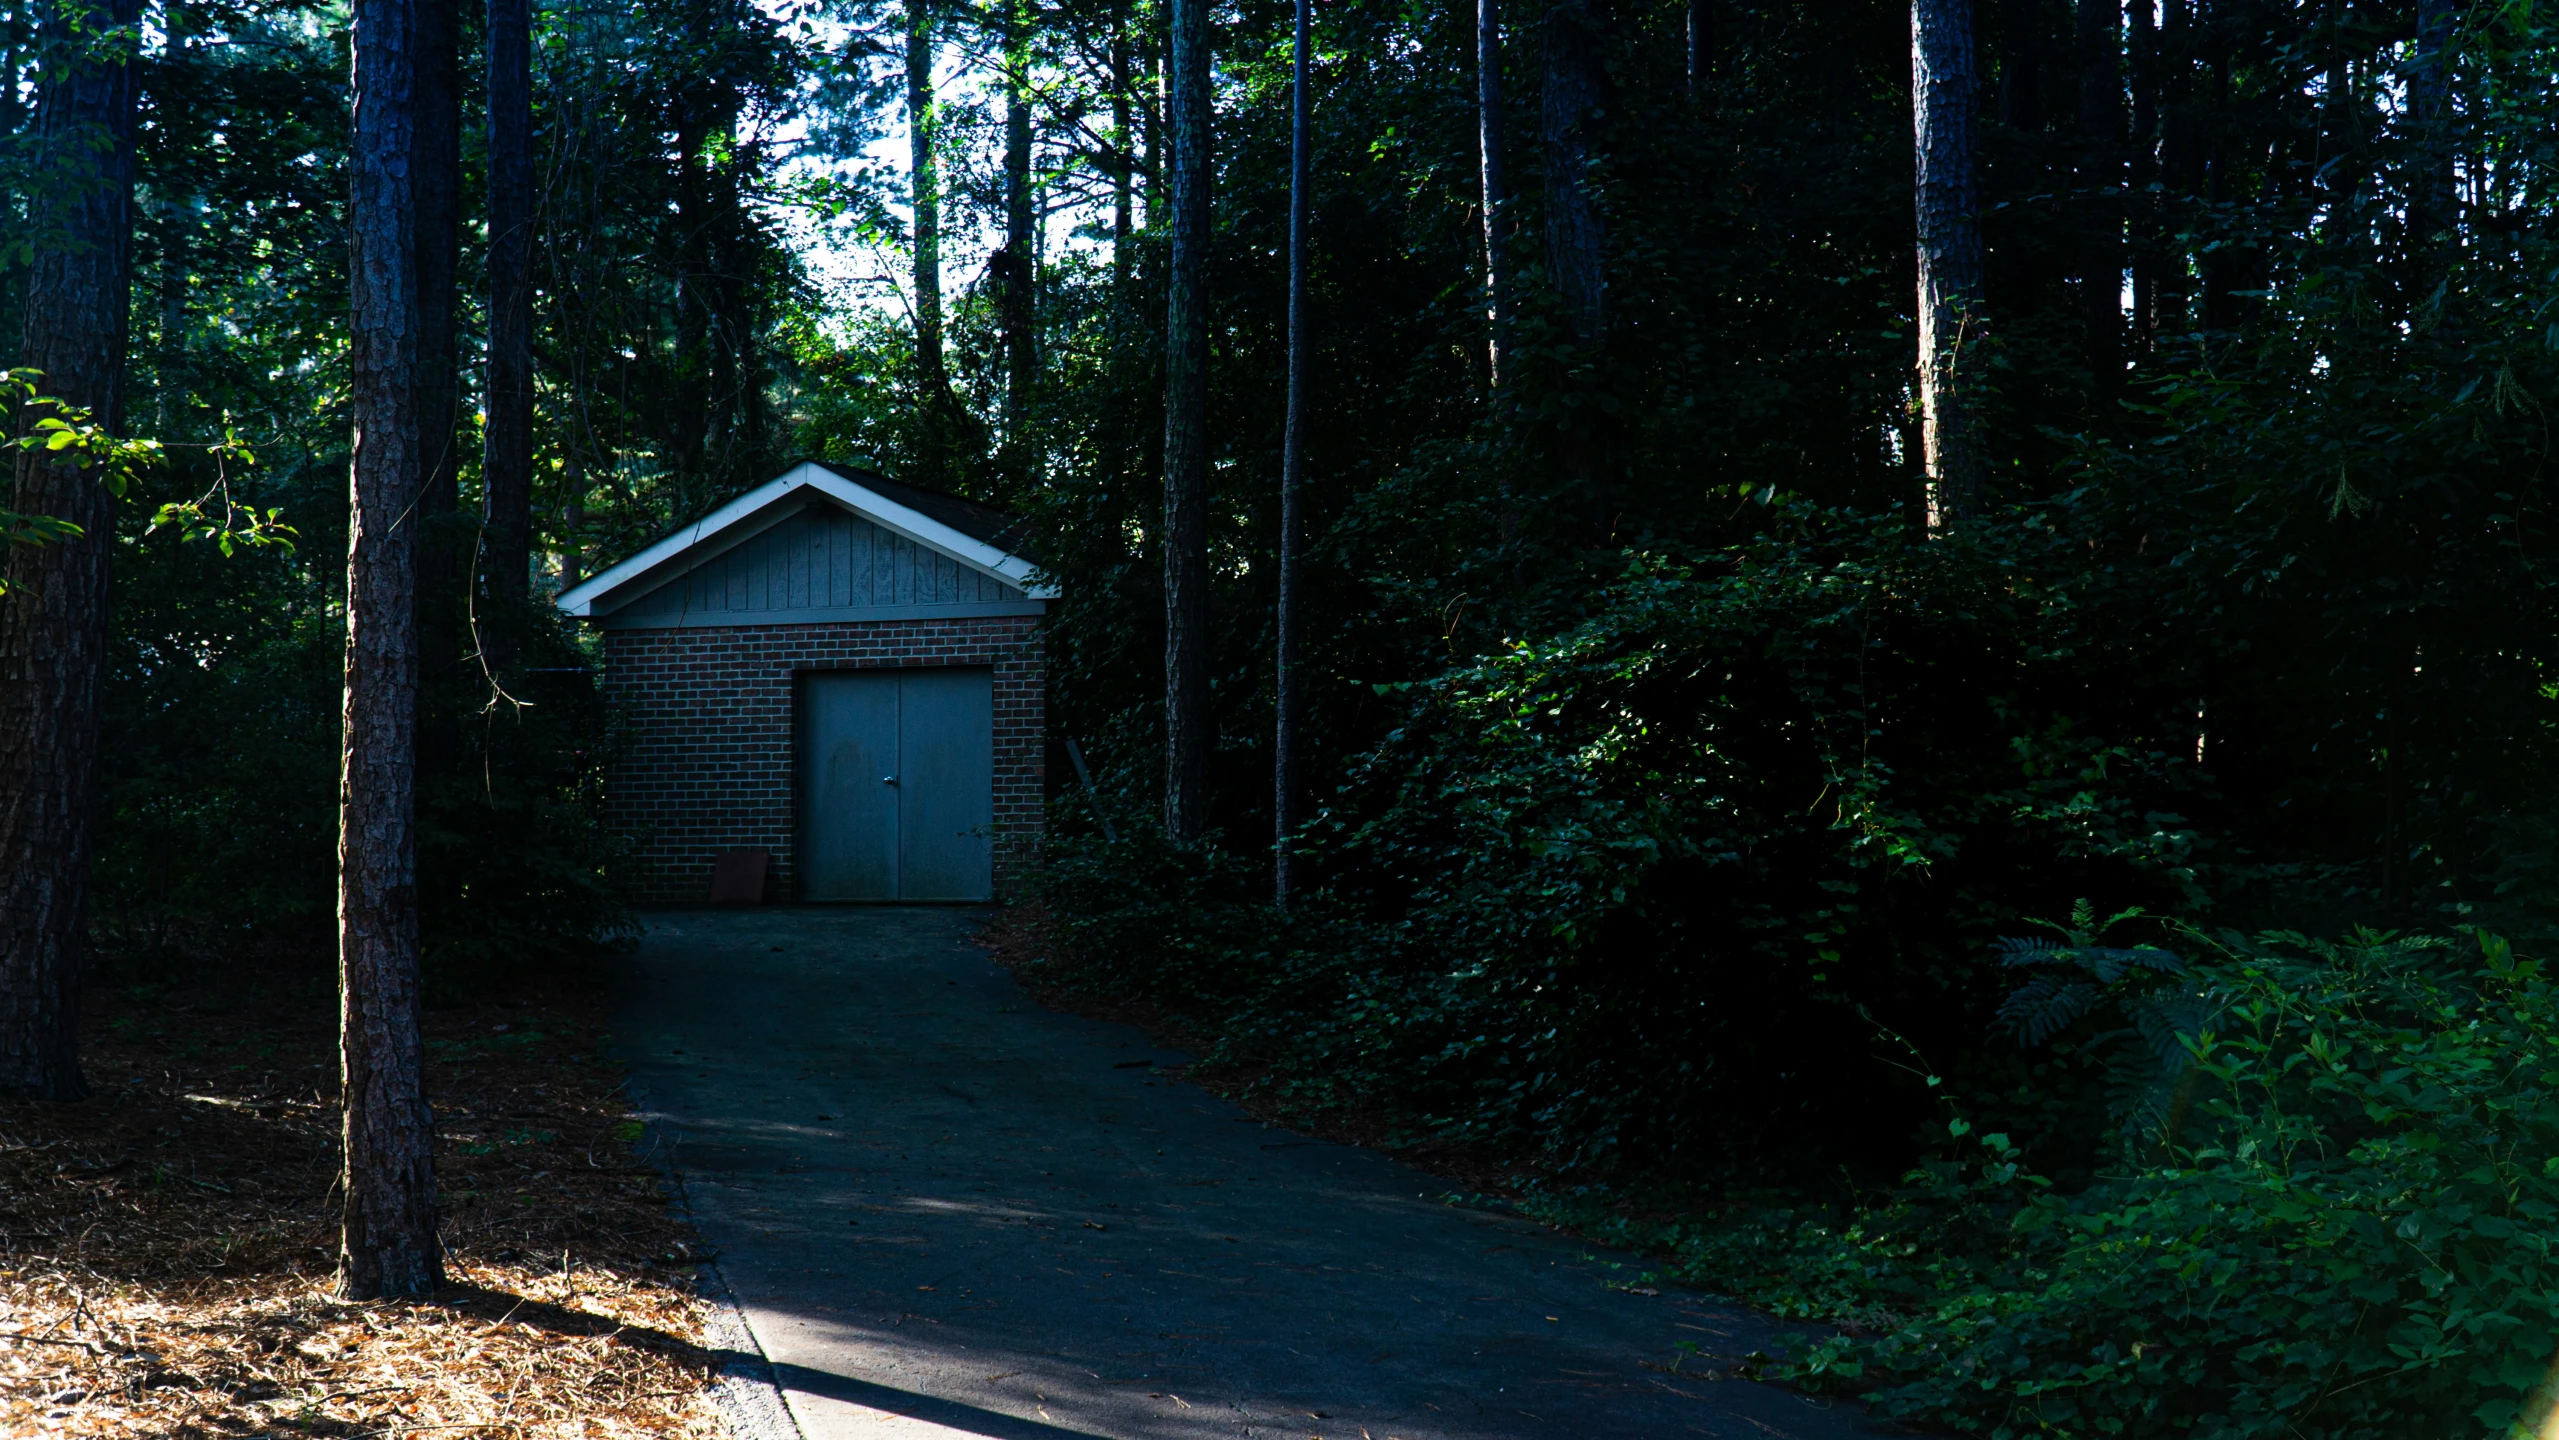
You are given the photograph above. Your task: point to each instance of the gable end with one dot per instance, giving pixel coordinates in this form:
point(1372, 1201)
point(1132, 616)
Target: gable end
point(819, 544)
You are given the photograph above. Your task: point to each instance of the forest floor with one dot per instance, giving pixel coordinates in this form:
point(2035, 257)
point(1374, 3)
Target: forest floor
point(167, 1246)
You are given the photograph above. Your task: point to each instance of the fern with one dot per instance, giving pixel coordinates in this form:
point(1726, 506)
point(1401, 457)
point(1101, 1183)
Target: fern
point(2148, 990)
point(2044, 1006)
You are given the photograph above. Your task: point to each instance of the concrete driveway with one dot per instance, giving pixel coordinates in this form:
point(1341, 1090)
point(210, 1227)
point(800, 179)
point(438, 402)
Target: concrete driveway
point(947, 1211)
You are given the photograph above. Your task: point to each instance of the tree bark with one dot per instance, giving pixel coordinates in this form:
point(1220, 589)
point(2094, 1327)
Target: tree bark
point(177, 236)
point(179, 208)
point(1157, 124)
point(572, 554)
point(389, 1244)
point(1021, 245)
point(2432, 213)
point(1292, 470)
point(924, 185)
point(2143, 57)
point(1949, 252)
point(438, 198)
point(13, 61)
point(1575, 99)
point(687, 413)
point(53, 622)
point(1701, 47)
point(1186, 738)
point(2218, 267)
point(1124, 180)
point(506, 454)
point(2101, 120)
point(1496, 185)
point(2181, 174)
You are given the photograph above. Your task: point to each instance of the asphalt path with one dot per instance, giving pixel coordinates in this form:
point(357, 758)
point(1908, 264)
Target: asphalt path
point(946, 1211)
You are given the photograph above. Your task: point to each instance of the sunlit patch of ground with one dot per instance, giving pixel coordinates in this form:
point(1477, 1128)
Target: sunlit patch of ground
point(166, 1247)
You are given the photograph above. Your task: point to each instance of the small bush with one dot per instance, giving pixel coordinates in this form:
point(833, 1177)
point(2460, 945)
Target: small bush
point(2343, 1229)
point(1642, 897)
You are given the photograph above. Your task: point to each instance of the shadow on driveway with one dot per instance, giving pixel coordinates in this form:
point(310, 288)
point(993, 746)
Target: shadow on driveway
point(947, 1211)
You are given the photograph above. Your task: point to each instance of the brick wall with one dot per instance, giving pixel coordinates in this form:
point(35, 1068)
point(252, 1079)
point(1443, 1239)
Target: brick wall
point(707, 715)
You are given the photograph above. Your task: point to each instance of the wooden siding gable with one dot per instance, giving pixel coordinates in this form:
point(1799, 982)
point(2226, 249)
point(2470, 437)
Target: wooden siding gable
point(820, 543)
point(823, 563)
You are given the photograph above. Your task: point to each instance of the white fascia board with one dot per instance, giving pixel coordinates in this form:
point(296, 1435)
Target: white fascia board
point(878, 508)
point(581, 599)
point(926, 531)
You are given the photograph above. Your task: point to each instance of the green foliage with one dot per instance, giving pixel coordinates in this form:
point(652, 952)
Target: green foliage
point(1673, 824)
point(1592, 894)
point(236, 527)
point(2152, 1001)
point(2347, 1232)
point(221, 709)
point(514, 855)
point(62, 435)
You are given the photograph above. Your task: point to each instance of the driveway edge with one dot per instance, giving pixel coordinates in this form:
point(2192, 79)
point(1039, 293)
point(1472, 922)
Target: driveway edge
point(748, 1396)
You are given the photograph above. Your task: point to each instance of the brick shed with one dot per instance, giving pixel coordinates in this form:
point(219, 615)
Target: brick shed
point(838, 669)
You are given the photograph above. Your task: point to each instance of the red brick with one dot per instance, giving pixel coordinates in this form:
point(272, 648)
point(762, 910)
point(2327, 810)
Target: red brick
point(708, 717)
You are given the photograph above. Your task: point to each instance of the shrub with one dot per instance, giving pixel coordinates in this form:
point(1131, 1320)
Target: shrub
point(2345, 1231)
point(1637, 897)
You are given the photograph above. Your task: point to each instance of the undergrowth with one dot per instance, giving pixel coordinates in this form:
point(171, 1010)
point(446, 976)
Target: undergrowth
point(2343, 1227)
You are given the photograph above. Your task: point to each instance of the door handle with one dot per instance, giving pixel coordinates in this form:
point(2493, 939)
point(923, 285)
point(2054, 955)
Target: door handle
point(888, 779)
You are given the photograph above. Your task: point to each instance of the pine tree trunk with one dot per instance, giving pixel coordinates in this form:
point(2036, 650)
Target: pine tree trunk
point(13, 59)
point(572, 556)
point(389, 1239)
point(1701, 47)
point(506, 455)
point(177, 236)
point(727, 318)
point(53, 621)
point(1950, 320)
point(179, 208)
point(1158, 142)
point(1292, 468)
point(2181, 175)
point(2432, 213)
point(1496, 186)
point(1124, 178)
point(2142, 215)
point(1186, 737)
point(924, 181)
point(2101, 120)
point(1575, 100)
point(441, 565)
point(1021, 245)
point(2215, 265)
point(687, 413)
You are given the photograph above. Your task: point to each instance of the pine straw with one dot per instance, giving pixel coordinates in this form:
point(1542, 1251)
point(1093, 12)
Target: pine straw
point(167, 1247)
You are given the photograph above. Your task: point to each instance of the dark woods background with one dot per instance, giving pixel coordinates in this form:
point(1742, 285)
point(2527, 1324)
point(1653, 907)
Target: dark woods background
point(1671, 783)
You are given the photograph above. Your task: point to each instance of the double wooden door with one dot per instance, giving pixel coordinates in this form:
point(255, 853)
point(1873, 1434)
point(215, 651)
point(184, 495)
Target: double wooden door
point(896, 784)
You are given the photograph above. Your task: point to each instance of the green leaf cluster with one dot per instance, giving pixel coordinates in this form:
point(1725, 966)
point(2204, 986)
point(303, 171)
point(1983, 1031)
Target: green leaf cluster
point(2348, 1233)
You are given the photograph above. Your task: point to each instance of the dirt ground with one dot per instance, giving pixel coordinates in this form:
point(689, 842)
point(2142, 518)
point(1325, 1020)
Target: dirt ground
point(167, 1246)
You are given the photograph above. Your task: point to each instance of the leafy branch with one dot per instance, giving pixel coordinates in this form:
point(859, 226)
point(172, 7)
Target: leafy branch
point(64, 434)
point(238, 526)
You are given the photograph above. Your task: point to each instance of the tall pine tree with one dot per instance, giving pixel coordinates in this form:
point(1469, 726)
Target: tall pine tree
point(53, 623)
point(388, 1244)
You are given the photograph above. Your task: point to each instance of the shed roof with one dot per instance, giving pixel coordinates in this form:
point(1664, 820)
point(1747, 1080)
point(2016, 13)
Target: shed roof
point(971, 534)
point(969, 517)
